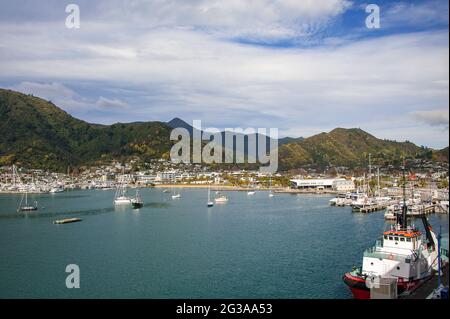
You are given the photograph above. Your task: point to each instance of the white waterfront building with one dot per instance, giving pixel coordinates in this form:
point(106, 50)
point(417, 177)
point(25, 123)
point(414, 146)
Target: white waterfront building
point(336, 184)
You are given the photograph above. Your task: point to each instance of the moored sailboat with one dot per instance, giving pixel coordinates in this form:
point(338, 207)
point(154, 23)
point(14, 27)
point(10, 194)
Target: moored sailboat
point(250, 191)
point(137, 202)
point(120, 197)
point(221, 199)
point(210, 203)
point(271, 194)
point(26, 207)
point(176, 195)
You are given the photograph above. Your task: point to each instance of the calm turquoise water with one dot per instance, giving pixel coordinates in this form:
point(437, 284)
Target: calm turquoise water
point(289, 246)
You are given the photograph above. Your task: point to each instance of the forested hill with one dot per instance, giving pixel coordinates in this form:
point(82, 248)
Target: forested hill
point(35, 133)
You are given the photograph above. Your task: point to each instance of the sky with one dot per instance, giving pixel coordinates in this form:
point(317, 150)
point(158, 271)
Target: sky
point(302, 66)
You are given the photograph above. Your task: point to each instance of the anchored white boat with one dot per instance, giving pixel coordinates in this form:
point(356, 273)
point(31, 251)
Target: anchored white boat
point(176, 195)
point(343, 199)
point(26, 207)
point(271, 194)
point(210, 203)
point(57, 189)
point(250, 191)
point(221, 199)
point(120, 198)
point(137, 202)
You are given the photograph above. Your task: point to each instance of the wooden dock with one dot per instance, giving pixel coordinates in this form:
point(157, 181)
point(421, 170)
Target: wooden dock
point(369, 208)
point(67, 220)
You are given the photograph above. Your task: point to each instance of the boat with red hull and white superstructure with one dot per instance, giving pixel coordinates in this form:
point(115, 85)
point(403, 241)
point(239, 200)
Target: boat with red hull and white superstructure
point(402, 254)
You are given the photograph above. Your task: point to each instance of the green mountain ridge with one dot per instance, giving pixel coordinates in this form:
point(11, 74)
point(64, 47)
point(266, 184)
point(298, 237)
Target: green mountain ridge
point(347, 147)
point(36, 133)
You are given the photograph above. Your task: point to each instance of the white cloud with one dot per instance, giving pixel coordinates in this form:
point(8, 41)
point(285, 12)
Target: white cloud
point(178, 70)
point(412, 14)
point(106, 103)
point(263, 20)
point(433, 117)
point(50, 91)
point(56, 92)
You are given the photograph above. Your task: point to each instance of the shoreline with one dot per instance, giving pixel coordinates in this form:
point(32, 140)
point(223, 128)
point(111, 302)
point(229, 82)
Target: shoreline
point(280, 190)
point(214, 187)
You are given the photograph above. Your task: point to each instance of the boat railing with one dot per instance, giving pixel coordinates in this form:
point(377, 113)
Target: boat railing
point(373, 252)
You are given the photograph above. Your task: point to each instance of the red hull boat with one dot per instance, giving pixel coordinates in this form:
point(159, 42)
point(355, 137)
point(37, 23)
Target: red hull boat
point(357, 284)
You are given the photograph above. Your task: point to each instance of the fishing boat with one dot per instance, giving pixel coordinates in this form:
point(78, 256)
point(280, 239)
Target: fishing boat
point(402, 255)
point(137, 202)
point(26, 207)
point(210, 203)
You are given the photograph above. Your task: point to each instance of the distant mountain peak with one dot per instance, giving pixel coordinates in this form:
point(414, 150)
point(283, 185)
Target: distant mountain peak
point(351, 129)
point(177, 122)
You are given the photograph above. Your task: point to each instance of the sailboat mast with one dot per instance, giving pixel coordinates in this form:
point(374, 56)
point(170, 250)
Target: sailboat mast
point(405, 209)
point(378, 181)
point(370, 174)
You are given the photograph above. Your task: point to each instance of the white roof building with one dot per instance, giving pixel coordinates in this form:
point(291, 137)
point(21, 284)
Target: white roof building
point(338, 184)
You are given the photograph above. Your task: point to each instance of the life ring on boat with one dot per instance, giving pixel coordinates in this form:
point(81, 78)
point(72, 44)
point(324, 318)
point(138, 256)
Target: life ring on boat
point(391, 256)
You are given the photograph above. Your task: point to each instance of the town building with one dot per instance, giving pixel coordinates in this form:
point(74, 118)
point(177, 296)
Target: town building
point(336, 184)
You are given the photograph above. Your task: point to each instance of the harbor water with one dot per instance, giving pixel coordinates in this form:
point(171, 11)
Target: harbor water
point(286, 246)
